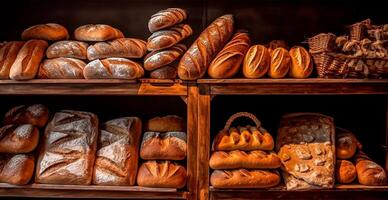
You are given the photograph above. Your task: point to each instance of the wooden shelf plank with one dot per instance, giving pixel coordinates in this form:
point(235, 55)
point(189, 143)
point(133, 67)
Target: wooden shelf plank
point(340, 187)
point(90, 191)
point(293, 86)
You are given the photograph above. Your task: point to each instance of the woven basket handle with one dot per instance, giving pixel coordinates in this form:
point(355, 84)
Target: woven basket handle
point(242, 114)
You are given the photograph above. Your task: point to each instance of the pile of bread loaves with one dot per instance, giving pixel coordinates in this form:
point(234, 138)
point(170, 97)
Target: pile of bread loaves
point(75, 150)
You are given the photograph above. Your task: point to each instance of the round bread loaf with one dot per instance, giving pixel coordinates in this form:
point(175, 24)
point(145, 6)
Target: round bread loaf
point(345, 172)
point(36, 115)
point(18, 138)
point(49, 32)
point(346, 145)
point(16, 169)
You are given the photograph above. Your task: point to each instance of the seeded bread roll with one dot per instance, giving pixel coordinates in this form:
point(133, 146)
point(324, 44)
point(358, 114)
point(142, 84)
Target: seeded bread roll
point(167, 38)
point(67, 48)
point(97, 33)
point(49, 32)
point(166, 18)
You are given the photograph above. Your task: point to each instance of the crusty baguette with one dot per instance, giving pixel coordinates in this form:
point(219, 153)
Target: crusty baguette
point(196, 60)
point(50, 31)
point(62, 68)
point(97, 33)
point(240, 159)
point(67, 48)
point(167, 38)
point(113, 68)
point(120, 48)
point(166, 18)
point(242, 178)
point(8, 55)
point(161, 58)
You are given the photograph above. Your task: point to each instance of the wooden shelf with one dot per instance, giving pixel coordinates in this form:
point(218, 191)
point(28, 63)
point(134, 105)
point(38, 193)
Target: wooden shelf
point(90, 191)
point(93, 87)
point(292, 86)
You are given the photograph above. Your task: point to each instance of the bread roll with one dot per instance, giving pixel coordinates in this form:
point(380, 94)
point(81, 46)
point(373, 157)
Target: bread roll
point(161, 58)
point(16, 169)
point(196, 60)
point(242, 178)
point(166, 18)
point(36, 114)
point(67, 48)
point(27, 62)
point(166, 124)
point(163, 146)
point(121, 48)
point(245, 138)
point(169, 37)
point(346, 144)
point(166, 72)
point(62, 68)
point(280, 63)
point(68, 149)
point(240, 159)
point(256, 62)
point(18, 138)
point(97, 33)
point(118, 152)
point(8, 55)
point(301, 63)
point(228, 61)
point(49, 32)
point(161, 174)
point(345, 172)
point(113, 68)
point(369, 172)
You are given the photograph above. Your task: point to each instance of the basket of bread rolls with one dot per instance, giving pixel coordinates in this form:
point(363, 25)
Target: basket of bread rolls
point(242, 156)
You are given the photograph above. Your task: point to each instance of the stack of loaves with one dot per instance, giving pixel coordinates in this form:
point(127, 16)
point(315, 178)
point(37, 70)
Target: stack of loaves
point(348, 148)
point(163, 145)
point(167, 32)
point(242, 157)
point(18, 138)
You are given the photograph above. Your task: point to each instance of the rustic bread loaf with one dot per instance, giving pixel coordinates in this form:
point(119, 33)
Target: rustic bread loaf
point(166, 124)
point(243, 138)
point(196, 60)
point(345, 172)
point(161, 174)
point(167, 38)
point(121, 48)
point(240, 159)
point(67, 48)
point(166, 18)
point(50, 31)
point(18, 138)
point(166, 72)
point(346, 144)
point(305, 144)
point(113, 68)
point(227, 62)
point(27, 61)
point(161, 58)
point(118, 152)
point(242, 178)
point(280, 63)
point(256, 62)
point(301, 63)
point(369, 172)
point(163, 146)
point(97, 33)
point(8, 55)
point(36, 114)
point(68, 149)
point(62, 68)
point(16, 169)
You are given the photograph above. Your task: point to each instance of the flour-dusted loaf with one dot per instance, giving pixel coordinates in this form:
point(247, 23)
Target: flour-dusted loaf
point(166, 18)
point(18, 138)
point(164, 146)
point(280, 63)
point(167, 38)
point(117, 156)
point(8, 55)
point(345, 172)
point(227, 62)
point(246, 138)
point(242, 178)
point(50, 31)
point(161, 58)
point(16, 169)
point(346, 144)
point(36, 115)
point(196, 60)
point(301, 63)
point(305, 145)
point(121, 48)
point(256, 62)
point(68, 149)
point(244, 159)
point(161, 174)
point(166, 124)
point(62, 68)
point(97, 33)
point(68, 49)
point(368, 171)
point(166, 72)
point(27, 61)
point(113, 68)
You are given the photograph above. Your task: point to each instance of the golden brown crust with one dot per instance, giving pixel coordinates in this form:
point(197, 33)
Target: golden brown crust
point(256, 62)
point(242, 178)
point(120, 48)
point(157, 59)
point(18, 138)
point(16, 169)
point(8, 54)
point(50, 31)
point(113, 68)
point(167, 38)
point(280, 63)
point(62, 68)
point(369, 172)
point(97, 33)
point(163, 146)
point(36, 115)
point(196, 60)
point(301, 63)
point(345, 172)
point(166, 124)
point(67, 48)
point(163, 174)
point(240, 159)
point(166, 18)
point(228, 61)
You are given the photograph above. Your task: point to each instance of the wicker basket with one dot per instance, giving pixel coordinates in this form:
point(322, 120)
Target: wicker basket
point(358, 30)
point(231, 119)
point(322, 42)
point(322, 62)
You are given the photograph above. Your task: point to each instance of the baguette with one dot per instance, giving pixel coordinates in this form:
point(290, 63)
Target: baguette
point(241, 159)
point(167, 38)
point(67, 48)
point(8, 54)
point(166, 18)
point(121, 48)
point(242, 178)
point(161, 58)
